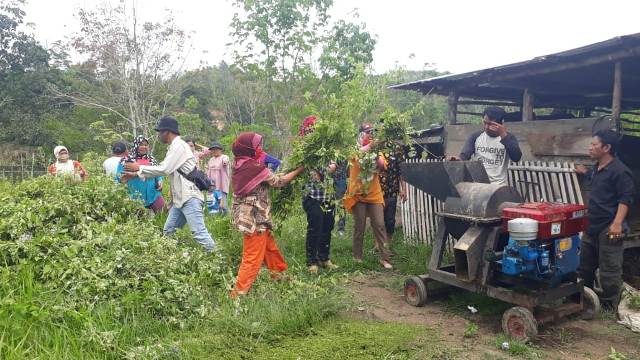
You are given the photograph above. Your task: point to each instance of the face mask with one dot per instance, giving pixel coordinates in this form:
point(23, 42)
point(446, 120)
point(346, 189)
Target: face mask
point(364, 139)
point(259, 152)
point(63, 157)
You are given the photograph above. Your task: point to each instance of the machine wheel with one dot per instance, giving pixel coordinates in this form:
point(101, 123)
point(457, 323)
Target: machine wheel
point(519, 323)
point(415, 291)
point(591, 304)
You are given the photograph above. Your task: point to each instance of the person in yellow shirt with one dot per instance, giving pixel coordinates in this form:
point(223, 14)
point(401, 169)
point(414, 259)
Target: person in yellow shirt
point(366, 199)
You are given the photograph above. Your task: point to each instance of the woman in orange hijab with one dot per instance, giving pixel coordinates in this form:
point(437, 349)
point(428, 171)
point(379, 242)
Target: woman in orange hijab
point(365, 199)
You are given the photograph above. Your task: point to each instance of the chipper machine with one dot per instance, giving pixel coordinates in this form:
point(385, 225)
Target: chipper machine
point(525, 254)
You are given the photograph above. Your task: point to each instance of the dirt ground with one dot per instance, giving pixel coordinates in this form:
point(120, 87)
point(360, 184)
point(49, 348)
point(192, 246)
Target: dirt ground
point(380, 298)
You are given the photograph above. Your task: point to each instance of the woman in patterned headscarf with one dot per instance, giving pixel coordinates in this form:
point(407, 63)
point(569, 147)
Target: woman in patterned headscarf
point(149, 191)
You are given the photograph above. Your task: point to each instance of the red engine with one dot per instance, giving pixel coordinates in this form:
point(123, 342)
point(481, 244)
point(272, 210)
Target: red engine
point(555, 219)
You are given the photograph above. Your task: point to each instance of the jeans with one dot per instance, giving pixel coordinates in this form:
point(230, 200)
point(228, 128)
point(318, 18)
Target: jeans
point(320, 223)
point(340, 187)
point(600, 252)
point(190, 213)
point(390, 206)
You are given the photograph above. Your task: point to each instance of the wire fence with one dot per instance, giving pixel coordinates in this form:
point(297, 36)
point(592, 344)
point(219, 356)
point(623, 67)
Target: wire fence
point(23, 168)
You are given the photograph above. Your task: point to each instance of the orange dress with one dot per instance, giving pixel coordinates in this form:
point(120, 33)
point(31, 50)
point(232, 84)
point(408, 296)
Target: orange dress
point(355, 193)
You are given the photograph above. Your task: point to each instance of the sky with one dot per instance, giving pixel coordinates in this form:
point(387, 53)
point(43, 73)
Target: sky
point(453, 35)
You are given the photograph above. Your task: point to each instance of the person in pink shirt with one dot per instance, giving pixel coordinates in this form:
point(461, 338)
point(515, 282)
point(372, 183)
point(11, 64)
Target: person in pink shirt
point(218, 170)
point(201, 154)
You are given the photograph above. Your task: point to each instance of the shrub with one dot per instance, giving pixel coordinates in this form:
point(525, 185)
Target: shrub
point(89, 243)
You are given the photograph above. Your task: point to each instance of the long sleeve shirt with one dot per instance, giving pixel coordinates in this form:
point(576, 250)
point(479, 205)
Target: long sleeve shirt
point(179, 157)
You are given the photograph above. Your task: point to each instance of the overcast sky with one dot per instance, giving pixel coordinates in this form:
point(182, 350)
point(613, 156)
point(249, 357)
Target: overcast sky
point(456, 36)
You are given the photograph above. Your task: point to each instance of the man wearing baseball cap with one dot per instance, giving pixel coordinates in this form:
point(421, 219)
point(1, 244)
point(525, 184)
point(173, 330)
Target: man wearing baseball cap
point(187, 198)
point(119, 150)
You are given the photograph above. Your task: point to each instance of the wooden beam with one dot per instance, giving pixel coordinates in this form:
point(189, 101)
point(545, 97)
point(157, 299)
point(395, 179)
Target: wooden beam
point(453, 107)
point(616, 103)
point(469, 113)
point(527, 105)
point(487, 102)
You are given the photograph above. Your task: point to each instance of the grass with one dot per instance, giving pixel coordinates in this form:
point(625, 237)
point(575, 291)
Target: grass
point(634, 302)
point(337, 339)
point(519, 349)
point(295, 319)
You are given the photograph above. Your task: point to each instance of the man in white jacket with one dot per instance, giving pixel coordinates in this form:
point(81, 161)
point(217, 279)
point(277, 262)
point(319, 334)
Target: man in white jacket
point(187, 199)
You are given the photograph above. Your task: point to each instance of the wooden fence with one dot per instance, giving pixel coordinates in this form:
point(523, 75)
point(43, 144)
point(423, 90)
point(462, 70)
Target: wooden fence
point(534, 180)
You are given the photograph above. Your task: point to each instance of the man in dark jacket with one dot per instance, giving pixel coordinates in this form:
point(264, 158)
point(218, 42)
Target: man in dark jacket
point(493, 145)
point(611, 196)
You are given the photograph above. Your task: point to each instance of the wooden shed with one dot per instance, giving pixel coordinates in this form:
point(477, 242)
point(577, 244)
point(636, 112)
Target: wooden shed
point(556, 102)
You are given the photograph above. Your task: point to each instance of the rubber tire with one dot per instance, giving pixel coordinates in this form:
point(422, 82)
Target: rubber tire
point(519, 323)
point(415, 291)
point(591, 303)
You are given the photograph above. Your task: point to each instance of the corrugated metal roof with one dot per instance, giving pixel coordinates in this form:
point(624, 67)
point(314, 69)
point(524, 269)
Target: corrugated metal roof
point(442, 84)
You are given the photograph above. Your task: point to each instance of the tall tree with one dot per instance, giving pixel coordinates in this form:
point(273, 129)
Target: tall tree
point(274, 39)
point(346, 45)
point(131, 67)
point(24, 75)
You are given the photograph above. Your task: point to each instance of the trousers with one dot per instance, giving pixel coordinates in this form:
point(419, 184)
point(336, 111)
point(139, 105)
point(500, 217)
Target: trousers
point(190, 213)
point(375, 212)
point(258, 248)
point(600, 252)
point(320, 222)
point(390, 206)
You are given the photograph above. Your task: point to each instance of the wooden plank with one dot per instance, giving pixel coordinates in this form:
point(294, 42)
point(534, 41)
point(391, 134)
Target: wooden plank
point(567, 181)
point(563, 192)
point(409, 220)
point(576, 185)
point(428, 226)
point(548, 186)
point(540, 193)
point(405, 220)
point(616, 100)
point(517, 184)
point(452, 101)
point(421, 217)
point(563, 137)
point(556, 184)
point(527, 105)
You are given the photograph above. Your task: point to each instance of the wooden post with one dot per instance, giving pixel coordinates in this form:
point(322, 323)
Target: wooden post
point(453, 107)
point(616, 103)
point(527, 105)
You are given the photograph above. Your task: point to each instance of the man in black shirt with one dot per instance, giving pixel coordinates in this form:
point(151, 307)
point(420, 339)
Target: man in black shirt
point(609, 202)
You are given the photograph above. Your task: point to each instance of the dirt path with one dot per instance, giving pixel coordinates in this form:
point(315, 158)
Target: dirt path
point(379, 297)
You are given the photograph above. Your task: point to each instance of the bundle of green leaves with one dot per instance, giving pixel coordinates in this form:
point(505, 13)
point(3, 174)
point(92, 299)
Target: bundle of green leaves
point(331, 141)
point(87, 244)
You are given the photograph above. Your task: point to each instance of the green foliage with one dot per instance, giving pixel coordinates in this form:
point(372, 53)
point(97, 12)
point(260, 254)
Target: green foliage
point(634, 302)
point(85, 242)
point(615, 355)
point(347, 45)
point(471, 331)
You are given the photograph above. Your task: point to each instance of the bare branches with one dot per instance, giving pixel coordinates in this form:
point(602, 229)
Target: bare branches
point(134, 62)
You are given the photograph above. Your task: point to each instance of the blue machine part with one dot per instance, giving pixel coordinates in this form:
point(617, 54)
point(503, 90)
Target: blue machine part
point(547, 261)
